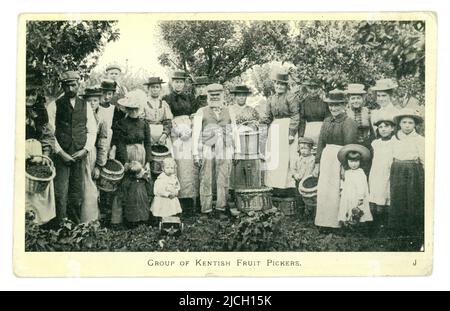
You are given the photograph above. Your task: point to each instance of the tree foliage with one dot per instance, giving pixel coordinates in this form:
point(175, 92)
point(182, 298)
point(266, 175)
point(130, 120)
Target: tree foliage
point(55, 46)
point(222, 50)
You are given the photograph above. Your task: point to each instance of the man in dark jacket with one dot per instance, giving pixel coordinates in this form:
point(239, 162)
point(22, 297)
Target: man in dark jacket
point(75, 129)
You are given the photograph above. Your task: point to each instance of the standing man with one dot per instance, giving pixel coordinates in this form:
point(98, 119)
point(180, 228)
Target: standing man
point(183, 107)
point(200, 84)
point(215, 142)
point(75, 129)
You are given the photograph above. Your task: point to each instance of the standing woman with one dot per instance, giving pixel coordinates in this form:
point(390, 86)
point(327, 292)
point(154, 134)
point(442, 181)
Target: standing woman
point(337, 130)
point(39, 141)
point(406, 213)
point(282, 117)
point(183, 107)
point(313, 110)
point(361, 115)
point(157, 112)
point(131, 136)
point(384, 89)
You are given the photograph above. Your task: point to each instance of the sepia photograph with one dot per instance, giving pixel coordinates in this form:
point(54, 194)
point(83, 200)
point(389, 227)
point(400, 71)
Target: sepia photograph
point(222, 133)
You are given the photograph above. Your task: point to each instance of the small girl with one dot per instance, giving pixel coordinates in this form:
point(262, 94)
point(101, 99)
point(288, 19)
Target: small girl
point(136, 193)
point(354, 203)
point(379, 184)
point(166, 190)
point(406, 214)
point(303, 166)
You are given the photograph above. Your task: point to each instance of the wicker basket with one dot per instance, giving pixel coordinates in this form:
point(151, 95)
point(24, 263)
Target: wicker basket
point(36, 184)
point(287, 206)
point(308, 190)
point(109, 180)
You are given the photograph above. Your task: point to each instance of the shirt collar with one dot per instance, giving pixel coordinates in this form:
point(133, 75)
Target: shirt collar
point(410, 135)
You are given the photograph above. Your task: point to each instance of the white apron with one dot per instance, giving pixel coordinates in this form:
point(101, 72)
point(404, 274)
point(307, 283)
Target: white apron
point(280, 155)
point(89, 209)
point(107, 115)
point(328, 188)
point(312, 130)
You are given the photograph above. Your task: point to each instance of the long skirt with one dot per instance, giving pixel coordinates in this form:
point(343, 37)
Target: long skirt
point(406, 213)
point(187, 172)
point(89, 208)
point(280, 155)
point(135, 152)
point(328, 188)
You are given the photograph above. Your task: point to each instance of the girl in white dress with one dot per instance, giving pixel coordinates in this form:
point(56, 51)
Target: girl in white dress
point(379, 178)
point(166, 190)
point(354, 204)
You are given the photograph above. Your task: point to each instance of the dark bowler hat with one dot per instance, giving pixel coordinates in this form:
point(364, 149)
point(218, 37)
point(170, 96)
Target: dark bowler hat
point(108, 85)
point(353, 148)
point(69, 76)
point(241, 89)
point(179, 74)
point(202, 80)
point(93, 91)
point(282, 77)
point(154, 80)
point(335, 96)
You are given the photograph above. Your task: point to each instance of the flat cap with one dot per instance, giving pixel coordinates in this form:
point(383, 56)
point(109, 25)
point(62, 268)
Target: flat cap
point(214, 88)
point(69, 76)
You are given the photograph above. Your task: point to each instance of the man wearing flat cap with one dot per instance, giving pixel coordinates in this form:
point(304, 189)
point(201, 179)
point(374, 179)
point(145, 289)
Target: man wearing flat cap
point(114, 72)
point(75, 129)
point(216, 141)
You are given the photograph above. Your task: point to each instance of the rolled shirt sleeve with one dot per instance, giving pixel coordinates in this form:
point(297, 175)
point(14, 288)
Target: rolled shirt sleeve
point(51, 111)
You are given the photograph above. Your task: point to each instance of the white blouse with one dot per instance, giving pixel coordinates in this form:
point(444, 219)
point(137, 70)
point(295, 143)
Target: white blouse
point(409, 146)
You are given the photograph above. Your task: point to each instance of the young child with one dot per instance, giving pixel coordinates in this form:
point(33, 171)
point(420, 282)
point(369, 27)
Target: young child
point(354, 203)
point(406, 213)
point(379, 184)
point(166, 189)
point(303, 167)
point(136, 192)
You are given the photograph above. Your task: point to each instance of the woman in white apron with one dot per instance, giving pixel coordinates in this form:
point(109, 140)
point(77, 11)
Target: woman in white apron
point(95, 160)
point(337, 130)
point(282, 117)
point(39, 141)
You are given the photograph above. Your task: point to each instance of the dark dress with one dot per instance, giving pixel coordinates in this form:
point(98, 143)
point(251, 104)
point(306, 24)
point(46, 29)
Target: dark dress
point(136, 198)
point(312, 109)
point(181, 103)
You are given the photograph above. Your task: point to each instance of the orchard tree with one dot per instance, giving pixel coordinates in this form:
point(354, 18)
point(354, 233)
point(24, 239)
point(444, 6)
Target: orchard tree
point(222, 50)
point(56, 46)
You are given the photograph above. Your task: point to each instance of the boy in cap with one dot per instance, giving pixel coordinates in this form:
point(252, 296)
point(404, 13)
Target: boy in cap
point(75, 129)
point(215, 143)
point(114, 72)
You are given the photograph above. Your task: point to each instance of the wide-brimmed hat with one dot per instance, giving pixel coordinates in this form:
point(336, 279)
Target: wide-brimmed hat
point(92, 91)
point(108, 85)
point(355, 88)
point(363, 151)
point(113, 66)
point(214, 88)
point(335, 96)
point(306, 140)
point(134, 99)
point(282, 77)
point(154, 80)
point(202, 80)
point(241, 89)
point(384, 85)
point(179, 74)
point(69, 75)
point(383, 117)
point(410, 113)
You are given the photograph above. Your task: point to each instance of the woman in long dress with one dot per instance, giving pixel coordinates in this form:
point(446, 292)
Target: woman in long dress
point(282, 117)
point(39, 141)
point(337, 130)
point(95, 160)
point(131, 136)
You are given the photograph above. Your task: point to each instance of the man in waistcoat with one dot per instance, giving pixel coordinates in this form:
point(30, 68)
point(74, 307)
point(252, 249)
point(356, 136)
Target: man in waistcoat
point(75, 129)
point(215, 142)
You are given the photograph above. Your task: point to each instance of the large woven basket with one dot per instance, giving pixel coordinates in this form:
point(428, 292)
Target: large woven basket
point(36, 184)
point(308, 190)
point(109, 180)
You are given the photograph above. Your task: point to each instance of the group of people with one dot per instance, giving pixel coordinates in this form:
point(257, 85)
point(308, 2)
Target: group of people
point(369, 163)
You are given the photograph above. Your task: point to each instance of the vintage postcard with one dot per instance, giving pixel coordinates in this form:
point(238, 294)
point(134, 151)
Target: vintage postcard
point(225, 144)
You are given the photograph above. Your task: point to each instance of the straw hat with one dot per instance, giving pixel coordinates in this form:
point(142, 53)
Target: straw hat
point(384, 85)
point(407, 112)
point(363, 151)
point(383, 117)
point(134, 99)
point(355, 88)
point(282, 77)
